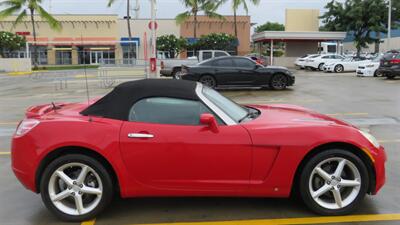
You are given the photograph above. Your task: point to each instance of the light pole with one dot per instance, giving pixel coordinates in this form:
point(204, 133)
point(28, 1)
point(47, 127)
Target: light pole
point(389, 34)
point(153, 54)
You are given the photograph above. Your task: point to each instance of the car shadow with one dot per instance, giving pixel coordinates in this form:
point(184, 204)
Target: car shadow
point(168, 210)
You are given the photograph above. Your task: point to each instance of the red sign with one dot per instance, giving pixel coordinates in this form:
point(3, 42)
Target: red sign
point(23, 33)
point(151, 25)
point(153, 64)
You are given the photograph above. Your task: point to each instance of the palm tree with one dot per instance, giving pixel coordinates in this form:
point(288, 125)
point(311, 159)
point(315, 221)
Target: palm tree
point(208, 7)
point(128, 18)
point(23, 7)
point(235, 7)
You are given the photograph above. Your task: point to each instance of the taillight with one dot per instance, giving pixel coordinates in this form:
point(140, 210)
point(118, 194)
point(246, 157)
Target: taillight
point(25, 126)
point(395, 61)
point(162, 64)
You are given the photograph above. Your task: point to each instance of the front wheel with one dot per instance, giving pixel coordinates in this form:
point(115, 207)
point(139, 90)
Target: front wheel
point(339, 68)
point(76, 187)
point(334, 182)
point(279, 82)
point(321, 67)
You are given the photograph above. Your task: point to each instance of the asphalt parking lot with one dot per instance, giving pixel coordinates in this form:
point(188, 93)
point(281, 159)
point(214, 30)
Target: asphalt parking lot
point(371, 103)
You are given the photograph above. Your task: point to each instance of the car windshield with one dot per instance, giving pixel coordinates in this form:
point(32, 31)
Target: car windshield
point(235, 111)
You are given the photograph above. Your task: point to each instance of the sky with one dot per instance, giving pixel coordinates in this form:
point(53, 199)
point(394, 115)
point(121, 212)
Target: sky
point(267, 10)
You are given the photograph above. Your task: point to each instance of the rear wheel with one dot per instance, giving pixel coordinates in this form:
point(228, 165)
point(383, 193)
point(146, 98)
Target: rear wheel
point(208, 80)
point(279, 82)
point(334, 182)
point(339, 68)
point(175, 73)
point(76, 187)
point(377, 73)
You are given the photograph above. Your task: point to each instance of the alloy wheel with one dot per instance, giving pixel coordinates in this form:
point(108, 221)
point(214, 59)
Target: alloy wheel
point(335, 183)
point(75, 189)
point(339, 69)
point(209, 81)
point(279, 82)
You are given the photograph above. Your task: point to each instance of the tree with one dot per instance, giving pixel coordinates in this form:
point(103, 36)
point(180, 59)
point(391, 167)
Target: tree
point(10, 42)
point(216, 41)
point(208, 7)
point(270, 26)
point(359, 17)
point(23, 7)
point(128, 21)
point(171, 44)
point(235, 6)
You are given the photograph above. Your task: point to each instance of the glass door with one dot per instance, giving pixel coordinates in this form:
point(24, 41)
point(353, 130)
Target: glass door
point(95, 57)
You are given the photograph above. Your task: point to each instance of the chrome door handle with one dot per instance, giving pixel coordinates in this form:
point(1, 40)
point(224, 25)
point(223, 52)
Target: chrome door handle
point(140, 135)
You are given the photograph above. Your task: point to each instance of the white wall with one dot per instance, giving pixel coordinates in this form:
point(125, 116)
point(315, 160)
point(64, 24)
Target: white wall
point(394, 44)
point(15, 65)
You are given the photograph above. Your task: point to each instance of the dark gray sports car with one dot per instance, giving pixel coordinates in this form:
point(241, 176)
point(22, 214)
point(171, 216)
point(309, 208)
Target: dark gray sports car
point(235, 71)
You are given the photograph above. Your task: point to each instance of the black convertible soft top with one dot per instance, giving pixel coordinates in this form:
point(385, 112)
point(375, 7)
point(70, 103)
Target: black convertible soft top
point(117, 103)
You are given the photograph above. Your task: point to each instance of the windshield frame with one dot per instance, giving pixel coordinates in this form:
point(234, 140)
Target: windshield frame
point(228, 118)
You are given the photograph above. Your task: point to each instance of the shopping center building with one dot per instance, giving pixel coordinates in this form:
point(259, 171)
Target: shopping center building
point(91, 39)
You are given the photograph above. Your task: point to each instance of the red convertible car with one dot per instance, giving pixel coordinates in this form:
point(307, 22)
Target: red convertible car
point(179, 138)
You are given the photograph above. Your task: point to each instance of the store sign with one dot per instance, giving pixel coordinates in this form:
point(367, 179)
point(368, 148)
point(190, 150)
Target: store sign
point(151, 25)
point(23, 33)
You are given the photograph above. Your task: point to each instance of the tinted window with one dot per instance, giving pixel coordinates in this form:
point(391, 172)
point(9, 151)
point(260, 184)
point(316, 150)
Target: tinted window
point(223, 63)
point(168, 111)
point(207, 55)
point(220, 54)
point(244, 63)
point(326, 57)
point(331, 48)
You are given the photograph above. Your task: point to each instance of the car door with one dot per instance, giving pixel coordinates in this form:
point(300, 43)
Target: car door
point(224, 71)
point(246, 73)
point(164, 147)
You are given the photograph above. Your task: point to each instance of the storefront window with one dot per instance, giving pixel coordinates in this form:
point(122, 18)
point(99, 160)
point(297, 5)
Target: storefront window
point(41, 54)
point(96, 55)
point(63, 57)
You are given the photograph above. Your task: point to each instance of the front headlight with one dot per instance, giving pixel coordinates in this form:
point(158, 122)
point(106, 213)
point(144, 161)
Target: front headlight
point(370, 138)
point(370, 66)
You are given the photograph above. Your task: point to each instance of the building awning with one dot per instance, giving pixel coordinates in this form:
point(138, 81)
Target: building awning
point(125, 41)
point(298, 36)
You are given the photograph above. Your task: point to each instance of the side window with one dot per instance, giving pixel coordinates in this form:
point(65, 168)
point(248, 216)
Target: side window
point(326, 57)
point(220, 54)
point(207, 55)
point(244, 63)
point(223, 63)
point(168, 111)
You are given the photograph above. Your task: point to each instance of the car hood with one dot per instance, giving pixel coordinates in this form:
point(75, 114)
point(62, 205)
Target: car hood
point(291, 115)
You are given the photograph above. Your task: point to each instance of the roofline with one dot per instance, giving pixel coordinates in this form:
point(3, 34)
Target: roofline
point(298, 35)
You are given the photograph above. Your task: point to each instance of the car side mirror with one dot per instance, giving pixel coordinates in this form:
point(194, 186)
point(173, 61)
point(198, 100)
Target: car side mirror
point(210, 121)
point(257, 66)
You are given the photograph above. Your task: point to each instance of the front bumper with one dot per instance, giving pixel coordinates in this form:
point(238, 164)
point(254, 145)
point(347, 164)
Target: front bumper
point(166, 72)
point(380, 159)
point(329, 68)
point(366, 72)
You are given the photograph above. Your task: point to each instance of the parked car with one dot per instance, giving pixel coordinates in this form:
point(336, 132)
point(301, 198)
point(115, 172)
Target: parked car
point(236, 71)
point(369, 69)
point(317, 63)
point(390, 65)
point(344, 65)
point(171, 67)
point(166, 137)
point(300, 62)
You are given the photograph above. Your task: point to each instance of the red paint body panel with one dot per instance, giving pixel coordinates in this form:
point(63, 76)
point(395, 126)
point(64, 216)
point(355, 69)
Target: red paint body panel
point(256, 158)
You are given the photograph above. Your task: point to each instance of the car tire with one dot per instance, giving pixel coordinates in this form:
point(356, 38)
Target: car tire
point(175, 73)
point(377, 73)
point(91, 187)
point(278, 82)
point(326, 190)
point(339, 68)
point(208, 80)
point(321, 67)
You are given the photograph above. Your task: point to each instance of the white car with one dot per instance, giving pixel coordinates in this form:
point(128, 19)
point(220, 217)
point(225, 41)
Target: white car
point(300, 62)
point(369, 69)
point(319, 61)
point(345, 65)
